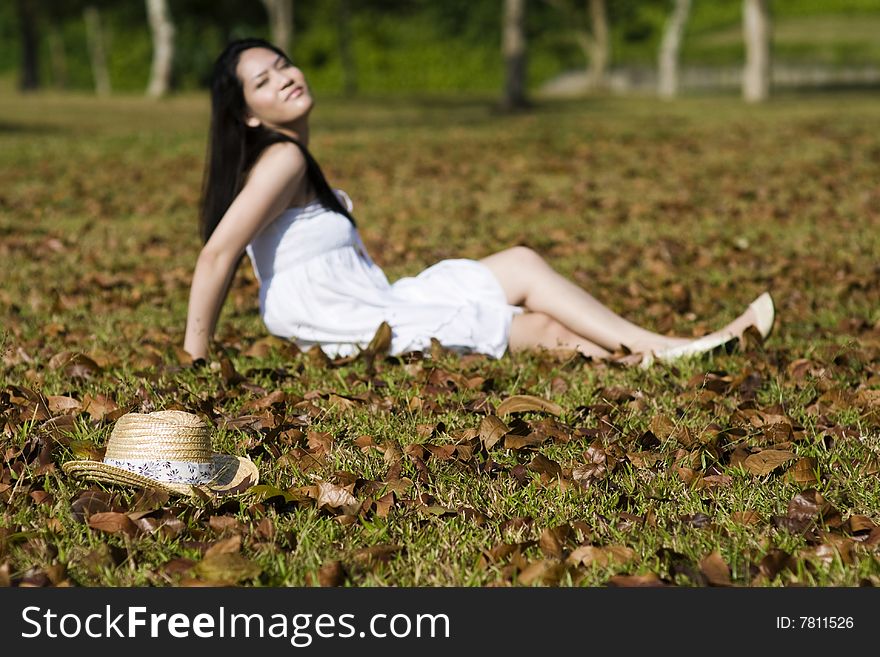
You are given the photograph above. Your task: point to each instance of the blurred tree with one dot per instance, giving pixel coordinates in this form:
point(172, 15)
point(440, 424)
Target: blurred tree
point(349, 70)
point(600, 45)
point(162, 30)
point(592, 36)
point(757, 34)
point(97, 51)
point(513, 49)
point(280, 22)
point(29, 79)
point(670, 47)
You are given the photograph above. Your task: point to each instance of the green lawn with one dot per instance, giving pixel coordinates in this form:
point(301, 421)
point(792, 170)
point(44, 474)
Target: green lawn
point(758, 468)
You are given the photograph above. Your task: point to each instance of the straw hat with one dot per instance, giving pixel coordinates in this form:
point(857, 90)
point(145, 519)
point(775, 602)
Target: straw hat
point(168, 450)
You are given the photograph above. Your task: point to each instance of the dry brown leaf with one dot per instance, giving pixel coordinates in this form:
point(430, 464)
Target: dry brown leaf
point(337, 497)
point(648, 579)
point(804, 470)
point(546, 572)
point(320, 442)
point(809, 505)
point(513, 441)
point(267, 401)
point(542, 465)
point(550, 543)
point(231, 545)
point(99, 406)
point(223, 523)
point(601, 556)
point(662, 426)
point(858, 524)
point(381, 342)
point(767, 460)
point(75, 365)
point(715, 569)
point(492, 429)
point(332, 573)
point(60, 405)
point(522, 403)
point(370, 556)
point(112, 523)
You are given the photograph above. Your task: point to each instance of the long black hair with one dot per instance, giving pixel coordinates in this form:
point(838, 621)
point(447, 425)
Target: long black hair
point(234, 146)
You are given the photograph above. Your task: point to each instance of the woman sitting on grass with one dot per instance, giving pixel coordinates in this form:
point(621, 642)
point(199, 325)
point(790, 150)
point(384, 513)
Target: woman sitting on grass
point(265, 195)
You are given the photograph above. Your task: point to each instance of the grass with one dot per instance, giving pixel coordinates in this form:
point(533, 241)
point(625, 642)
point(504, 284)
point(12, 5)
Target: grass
point(673, 214)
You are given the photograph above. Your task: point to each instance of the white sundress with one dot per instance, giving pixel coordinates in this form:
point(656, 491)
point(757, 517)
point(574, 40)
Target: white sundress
point(318, 286)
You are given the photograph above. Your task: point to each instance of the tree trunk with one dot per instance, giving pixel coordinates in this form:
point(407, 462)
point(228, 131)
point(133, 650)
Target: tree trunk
point(349, 70)
point(756, 31)
point(513, 49)
point(162, 31)
point(280, 22)
point(30, 63)
point(670, 47)
point(97, 54)
point(600, 45)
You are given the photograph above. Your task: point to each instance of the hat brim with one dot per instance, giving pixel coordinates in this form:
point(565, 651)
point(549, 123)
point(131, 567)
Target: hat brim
point(235, 475)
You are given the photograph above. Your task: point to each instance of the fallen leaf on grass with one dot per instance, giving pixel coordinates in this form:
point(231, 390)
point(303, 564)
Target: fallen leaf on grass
point(648, 579)
point(375, 554)
point(112, 523)
point(588, 555)
point(492, 429)
point(512, 441)
point(337, 497)
point(74, 364)
point(230, 545)
point(552, 541)
point(546, 572)
point(88, 503)
point(829, 554)
point(522, 403)
point(332, 573)
point(860, 526)
point(715, 569)
point(60, 405)
point(767, 460)
point(542, 465)
point(804, 471)
point(810, 505)
point(746, 518)
point(775, 562)
point(99, 407)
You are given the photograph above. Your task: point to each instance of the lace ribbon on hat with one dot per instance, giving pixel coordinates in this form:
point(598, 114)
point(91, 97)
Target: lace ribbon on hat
point(170, 472)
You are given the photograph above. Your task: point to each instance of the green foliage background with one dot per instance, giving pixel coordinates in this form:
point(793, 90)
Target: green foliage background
point(450, 46)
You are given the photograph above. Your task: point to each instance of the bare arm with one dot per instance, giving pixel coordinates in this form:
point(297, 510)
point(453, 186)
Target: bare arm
point(274, 180)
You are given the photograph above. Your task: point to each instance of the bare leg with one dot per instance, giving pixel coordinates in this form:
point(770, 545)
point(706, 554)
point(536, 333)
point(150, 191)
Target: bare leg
point(529, 281)
point(539, 330)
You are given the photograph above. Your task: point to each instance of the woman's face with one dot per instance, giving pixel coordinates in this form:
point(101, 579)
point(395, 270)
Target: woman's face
point(275, 91)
